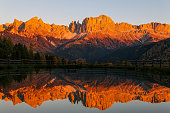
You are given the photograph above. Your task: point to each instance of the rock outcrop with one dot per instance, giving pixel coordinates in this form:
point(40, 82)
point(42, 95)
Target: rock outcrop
point(101, 23)
point(36, 27)
point(105, 24)
point(4, 27)
point(93, 24)
point(156, 27)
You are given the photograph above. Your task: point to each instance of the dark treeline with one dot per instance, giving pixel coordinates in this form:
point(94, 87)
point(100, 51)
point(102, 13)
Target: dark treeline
point(18, 51)
point(12, 51)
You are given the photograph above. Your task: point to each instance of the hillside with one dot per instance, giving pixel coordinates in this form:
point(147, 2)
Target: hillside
point(160, 50)
point(150, 51)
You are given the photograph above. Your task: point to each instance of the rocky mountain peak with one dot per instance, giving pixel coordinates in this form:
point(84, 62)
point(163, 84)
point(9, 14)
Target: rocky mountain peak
point(40, 21)
point(93, 24)
point(33, 19)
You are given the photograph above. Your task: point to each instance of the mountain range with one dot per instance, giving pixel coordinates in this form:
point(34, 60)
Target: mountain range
point(95, 38)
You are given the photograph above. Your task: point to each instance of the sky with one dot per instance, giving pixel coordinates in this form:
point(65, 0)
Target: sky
point(62, 12)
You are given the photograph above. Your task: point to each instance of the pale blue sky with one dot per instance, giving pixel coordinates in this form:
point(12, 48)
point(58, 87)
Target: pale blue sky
point(62, 12)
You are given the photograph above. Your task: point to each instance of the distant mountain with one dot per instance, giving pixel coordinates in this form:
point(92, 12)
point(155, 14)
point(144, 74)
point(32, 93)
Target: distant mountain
point(93, 38)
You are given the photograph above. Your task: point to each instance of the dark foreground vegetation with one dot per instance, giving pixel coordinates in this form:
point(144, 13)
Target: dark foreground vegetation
point(11, 51)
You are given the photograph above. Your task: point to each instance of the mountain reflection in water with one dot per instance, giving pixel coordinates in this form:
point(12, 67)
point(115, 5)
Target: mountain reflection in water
point(93, 88)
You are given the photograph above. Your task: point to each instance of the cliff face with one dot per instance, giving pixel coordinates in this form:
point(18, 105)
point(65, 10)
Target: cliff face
point(100, 92)
point(105, 24)
point(93, 24)
point(101, 23)
point(157, 27)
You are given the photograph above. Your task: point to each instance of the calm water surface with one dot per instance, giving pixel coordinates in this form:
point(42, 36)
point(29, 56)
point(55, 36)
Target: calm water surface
point(82, 90)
